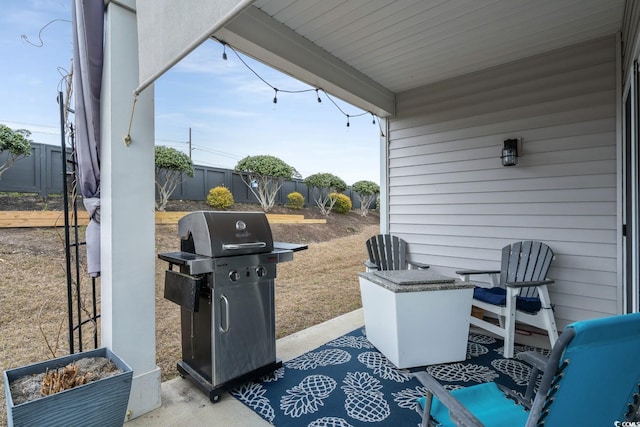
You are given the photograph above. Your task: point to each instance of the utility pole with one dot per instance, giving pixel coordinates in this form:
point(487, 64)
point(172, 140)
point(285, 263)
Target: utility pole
point(190, 144)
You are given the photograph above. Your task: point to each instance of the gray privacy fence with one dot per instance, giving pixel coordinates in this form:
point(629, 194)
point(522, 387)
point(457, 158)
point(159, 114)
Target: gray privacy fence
point(42, 173)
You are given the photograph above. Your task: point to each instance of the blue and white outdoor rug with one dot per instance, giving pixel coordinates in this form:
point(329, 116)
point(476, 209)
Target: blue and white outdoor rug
point(347, 382)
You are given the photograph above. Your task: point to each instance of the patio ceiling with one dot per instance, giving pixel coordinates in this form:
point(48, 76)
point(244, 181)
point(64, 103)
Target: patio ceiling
point(366, 51)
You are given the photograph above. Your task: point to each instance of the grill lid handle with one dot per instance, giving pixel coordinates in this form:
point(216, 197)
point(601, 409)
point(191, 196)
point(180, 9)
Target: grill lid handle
point(236, 246)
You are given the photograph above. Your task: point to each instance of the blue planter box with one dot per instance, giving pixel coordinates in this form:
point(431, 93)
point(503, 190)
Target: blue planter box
point(102, 402)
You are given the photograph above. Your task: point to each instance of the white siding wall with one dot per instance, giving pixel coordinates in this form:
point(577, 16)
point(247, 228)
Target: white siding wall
point(451, 199)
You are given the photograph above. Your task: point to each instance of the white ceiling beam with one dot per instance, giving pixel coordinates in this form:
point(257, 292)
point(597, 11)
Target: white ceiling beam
point(256, 34)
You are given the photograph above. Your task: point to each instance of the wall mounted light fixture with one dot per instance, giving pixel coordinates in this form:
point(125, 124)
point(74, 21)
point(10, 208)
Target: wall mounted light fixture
point(510, 152)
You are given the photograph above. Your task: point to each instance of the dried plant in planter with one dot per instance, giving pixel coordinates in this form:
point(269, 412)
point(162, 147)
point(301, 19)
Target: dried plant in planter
point(63, 379)
point(52, 381)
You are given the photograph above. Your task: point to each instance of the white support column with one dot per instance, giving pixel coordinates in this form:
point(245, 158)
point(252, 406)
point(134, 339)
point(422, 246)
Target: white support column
point(128, 211)
point(384, 177)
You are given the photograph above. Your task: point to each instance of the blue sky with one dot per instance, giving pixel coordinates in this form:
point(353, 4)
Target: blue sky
point(229, 109)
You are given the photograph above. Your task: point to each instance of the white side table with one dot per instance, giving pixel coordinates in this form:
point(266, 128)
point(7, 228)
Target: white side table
point(415, 317)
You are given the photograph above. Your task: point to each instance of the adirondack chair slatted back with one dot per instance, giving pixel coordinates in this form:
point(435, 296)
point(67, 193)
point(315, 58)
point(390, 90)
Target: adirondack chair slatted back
point(524, 262)
point(387, 252)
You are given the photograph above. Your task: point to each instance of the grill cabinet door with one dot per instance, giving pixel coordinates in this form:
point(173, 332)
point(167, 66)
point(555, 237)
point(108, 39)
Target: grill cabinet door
point(243, 325)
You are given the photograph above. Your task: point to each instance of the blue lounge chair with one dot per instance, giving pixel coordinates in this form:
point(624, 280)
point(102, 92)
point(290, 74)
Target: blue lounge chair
point(592, 379)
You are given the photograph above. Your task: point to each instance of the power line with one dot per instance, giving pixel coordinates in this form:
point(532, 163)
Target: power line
point(173, 144)
point(218, 152)
point(172, 141)
point(44, 133)
point(200, 148)
point(56, 131)
point(27, 124)
point(205, 163)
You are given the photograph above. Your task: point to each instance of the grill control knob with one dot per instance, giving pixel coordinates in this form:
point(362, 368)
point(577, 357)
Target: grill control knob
point(234, 275)
point(261, 271)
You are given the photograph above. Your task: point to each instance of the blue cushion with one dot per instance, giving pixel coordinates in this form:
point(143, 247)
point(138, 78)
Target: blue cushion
point(498, 296)
point(486, 402)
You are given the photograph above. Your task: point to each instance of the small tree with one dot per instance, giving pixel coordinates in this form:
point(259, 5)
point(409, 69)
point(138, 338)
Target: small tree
point(171, 168)
point(322, 185)
point(264, 175)
point(15, 143)
point(367, 192)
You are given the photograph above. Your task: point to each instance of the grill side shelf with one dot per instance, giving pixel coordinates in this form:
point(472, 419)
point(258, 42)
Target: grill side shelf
point(197, 264)
point(294, 247)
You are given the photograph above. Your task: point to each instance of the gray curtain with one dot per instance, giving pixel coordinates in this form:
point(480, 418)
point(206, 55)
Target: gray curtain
point(88, 33)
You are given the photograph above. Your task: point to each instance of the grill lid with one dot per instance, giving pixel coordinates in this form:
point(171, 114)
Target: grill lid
point(218, 234)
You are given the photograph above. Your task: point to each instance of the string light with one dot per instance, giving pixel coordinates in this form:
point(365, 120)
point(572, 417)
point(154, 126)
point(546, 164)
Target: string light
point(380, 126)
point(26, 39)
point(276, 90)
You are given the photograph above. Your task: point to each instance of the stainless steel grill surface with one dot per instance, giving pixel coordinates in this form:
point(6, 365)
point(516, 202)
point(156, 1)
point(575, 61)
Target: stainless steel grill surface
point(225, 288)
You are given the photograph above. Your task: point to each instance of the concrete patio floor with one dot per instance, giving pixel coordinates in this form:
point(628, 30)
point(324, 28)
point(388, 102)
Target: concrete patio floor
point(183, 404)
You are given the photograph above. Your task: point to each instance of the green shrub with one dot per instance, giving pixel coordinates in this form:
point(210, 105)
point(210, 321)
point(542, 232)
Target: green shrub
point(220, 198)
point(342, 203)
point(296, 200)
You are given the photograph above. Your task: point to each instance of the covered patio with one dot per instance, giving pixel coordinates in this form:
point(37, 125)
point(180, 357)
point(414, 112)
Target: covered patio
point(451, 81)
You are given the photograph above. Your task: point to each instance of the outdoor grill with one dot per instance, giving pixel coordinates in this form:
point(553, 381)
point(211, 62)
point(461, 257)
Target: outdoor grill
point(225, 287)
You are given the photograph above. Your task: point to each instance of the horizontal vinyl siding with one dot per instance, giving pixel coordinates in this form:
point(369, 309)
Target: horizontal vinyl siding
point(451, 199)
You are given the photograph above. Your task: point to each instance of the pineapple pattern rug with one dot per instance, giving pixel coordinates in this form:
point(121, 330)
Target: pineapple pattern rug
point(347, 382)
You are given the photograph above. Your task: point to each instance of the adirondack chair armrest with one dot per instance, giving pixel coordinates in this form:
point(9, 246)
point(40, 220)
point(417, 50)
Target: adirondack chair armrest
point(418, 265)
point(464, 275)
point(529, 284)
point(370, 264)
point(472, 272)
point(457, 412)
